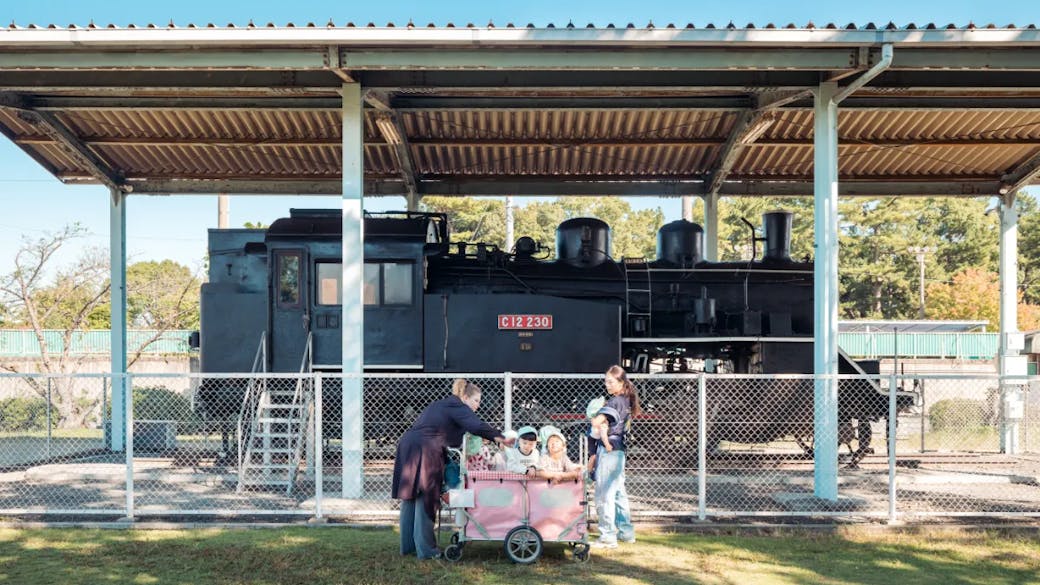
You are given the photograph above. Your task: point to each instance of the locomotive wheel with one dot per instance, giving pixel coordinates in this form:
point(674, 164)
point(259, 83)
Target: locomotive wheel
point(581, 552)
point(453, 553)
point(523, 545)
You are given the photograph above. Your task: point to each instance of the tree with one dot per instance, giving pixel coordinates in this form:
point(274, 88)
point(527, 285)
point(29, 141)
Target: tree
point(974, 294)
point(483, 220)
point(72, 298)
point(160, 296)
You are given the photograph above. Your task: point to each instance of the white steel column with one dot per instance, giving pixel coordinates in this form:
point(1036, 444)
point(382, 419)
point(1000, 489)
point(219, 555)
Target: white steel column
point(1011, 341)
point(711, 227)
point(825, 306)
point(352, 299)
point(117, 266)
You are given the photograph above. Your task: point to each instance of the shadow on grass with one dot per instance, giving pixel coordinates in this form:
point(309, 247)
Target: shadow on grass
point(331, 555)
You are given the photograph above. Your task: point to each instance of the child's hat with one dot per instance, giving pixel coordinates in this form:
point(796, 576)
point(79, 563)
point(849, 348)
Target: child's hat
point(510, 435)
point(550, 431)
point(595, 405)
point(528, 430)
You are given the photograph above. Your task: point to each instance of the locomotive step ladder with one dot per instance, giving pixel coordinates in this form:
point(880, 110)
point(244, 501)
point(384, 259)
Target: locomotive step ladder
point(638, 296)
point(273, 441)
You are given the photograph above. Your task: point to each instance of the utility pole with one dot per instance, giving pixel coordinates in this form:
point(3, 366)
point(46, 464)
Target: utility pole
point(222, 210)
point(920, 252)
point(509, 223)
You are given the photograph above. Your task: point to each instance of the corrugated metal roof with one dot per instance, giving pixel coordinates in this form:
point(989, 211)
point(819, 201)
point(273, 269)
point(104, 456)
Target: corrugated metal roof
point(605, 143)
point(569, 25)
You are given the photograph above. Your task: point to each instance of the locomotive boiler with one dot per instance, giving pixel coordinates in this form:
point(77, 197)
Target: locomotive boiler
point(431, 305)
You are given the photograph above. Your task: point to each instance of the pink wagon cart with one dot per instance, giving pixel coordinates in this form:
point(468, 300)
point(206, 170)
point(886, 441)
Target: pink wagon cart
point(522, 512)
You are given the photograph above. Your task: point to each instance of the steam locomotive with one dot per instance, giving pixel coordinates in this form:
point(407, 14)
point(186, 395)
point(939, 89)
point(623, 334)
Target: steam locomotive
point(430, 305)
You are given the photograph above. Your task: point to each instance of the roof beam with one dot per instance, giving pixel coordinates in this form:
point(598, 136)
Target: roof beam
point(49, 124)
point(612, 142)
point(1022, 176)
point(672, 59)
point(749, 127)
point(176, 59)
point(390, 126)
point(559, 187)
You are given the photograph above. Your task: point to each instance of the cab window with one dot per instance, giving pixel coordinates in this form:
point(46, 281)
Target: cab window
point(388, 283)
point(329, 282)
point(288, 279)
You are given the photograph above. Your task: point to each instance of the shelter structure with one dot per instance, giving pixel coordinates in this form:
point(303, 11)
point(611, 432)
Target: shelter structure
point(674, 110)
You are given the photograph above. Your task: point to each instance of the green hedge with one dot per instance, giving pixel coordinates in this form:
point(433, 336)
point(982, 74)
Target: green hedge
point(958, 414)
point(25, 414)
point(161, 403)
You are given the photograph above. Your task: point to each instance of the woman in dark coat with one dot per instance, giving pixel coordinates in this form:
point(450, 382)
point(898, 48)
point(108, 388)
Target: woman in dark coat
point(420, 460)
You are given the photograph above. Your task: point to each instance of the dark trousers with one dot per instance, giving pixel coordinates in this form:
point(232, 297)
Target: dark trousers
point(417, 530)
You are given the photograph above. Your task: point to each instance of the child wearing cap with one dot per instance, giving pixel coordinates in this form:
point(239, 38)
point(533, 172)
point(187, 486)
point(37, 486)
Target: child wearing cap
point(524, 456)
point(554, 464)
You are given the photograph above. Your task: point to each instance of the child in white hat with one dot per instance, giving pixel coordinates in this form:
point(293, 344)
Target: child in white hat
point(554, 464)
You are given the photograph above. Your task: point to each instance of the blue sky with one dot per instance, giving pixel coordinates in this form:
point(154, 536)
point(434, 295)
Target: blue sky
point(175, 227)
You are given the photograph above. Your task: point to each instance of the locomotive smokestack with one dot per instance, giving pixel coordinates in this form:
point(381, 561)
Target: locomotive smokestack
point(777, 226)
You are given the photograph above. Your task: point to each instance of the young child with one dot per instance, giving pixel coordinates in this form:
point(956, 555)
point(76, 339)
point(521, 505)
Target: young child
point(524, 457)
point(554, 464)
point(481, 456)
point(596, 434)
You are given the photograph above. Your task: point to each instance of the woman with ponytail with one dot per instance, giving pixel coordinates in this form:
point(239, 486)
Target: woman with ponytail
point(614, 420)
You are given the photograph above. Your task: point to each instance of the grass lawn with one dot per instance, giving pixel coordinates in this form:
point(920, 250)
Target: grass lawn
point(314, 556)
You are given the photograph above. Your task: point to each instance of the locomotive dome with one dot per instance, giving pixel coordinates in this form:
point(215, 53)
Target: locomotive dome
point(680, 242)
point(583, 241)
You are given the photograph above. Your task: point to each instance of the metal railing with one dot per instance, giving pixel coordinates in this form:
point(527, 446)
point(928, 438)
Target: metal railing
point(882, 344)
point(25, 343)
point(706, 446)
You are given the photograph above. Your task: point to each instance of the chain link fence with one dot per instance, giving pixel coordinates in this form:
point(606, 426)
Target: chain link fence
point(705, 446)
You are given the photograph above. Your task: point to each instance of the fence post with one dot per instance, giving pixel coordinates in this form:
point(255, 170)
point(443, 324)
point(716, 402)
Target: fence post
point(319, 472)
point(129, 444)
point(507, 401)
point(49, 379)
point(104, 412)
point(702, 423)
point(924, 409)
point(892, 416)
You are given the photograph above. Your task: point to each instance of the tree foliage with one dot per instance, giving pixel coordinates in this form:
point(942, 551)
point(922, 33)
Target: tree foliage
point(483, 220)
point(974, 294)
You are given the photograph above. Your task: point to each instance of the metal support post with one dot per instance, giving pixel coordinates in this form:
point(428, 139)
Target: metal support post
point(702, 434)
point(319, 471)
point(352, 299)
point(117, 256)
point(825, 346)
point(892, 418)
point(1012, 365)
point(711, 228)
point(507, 401)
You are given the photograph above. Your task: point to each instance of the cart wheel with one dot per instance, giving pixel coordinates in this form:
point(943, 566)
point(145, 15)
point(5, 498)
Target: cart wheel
point(523, 545)
point(454, 537)
point(581, 552)
point(453, 553)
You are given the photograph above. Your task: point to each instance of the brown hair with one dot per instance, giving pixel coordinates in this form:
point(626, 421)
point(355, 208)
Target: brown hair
point(464, 389)
point(619, 374)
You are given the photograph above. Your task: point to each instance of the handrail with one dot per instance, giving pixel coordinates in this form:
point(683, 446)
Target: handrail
point(247, 431)
point(304, 400)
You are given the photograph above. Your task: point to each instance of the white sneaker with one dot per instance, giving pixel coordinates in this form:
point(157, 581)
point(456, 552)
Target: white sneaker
point(627, 540)
point(602, 545)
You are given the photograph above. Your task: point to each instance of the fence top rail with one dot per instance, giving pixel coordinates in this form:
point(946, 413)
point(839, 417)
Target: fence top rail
point(693, 376)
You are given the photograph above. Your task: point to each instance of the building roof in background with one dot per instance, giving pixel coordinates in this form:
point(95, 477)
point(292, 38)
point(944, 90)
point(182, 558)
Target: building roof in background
point(911, 326)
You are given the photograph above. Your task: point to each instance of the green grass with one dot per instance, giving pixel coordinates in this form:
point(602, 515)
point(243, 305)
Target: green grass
point(316, 556)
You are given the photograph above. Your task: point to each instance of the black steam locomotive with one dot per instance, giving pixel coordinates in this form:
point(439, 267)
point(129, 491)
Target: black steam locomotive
point(435, 306)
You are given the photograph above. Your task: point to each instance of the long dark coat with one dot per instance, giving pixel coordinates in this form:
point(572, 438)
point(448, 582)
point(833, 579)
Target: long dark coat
point(420, 459)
